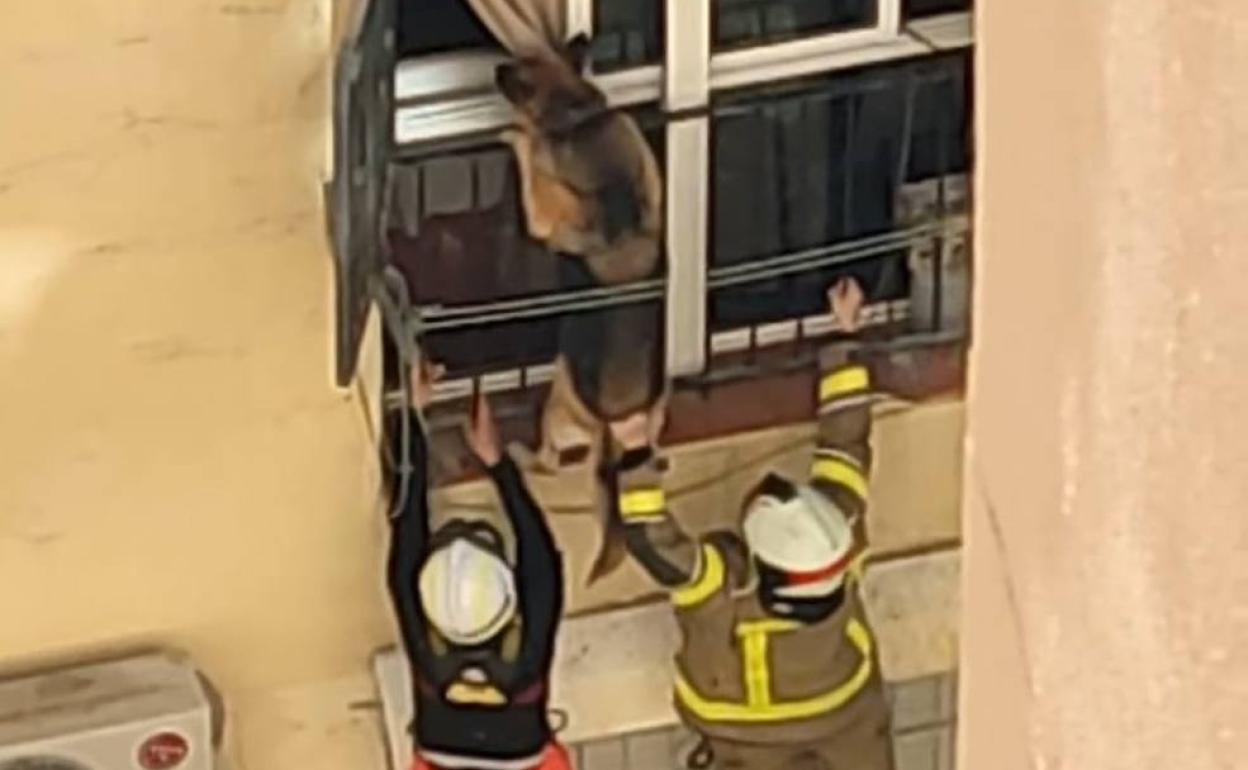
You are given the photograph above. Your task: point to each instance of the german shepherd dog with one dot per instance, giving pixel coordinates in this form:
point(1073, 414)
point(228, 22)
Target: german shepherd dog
point(592, 192)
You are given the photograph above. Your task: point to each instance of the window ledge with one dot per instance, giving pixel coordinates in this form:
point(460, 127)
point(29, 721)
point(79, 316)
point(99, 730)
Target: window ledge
point(946, 32)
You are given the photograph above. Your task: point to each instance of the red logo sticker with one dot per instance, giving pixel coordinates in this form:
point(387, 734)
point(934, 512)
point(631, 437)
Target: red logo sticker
point(163, 751)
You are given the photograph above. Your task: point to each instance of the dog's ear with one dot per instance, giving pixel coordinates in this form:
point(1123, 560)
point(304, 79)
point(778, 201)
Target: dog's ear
point(577, 51)
point(511, 81)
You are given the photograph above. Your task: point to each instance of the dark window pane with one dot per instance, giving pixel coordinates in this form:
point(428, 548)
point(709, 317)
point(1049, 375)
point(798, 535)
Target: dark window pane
point(940, 135)
point(457, 233)
point(435, 26)
point(627, 33)
point(483, 349)
point(802, 166)
point(805, 294)
point(744, 23)
point(363, 111)
point(915, 9)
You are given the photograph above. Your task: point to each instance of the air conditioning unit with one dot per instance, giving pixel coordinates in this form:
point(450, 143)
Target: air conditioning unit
point(143, 713)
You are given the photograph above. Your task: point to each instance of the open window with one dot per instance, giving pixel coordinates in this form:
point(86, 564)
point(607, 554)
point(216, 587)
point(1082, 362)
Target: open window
point(627, 34)
point(819, 179)
point(363, 119)
point(433, 27)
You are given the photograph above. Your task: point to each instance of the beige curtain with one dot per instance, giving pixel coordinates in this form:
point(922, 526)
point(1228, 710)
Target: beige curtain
point(524, 27)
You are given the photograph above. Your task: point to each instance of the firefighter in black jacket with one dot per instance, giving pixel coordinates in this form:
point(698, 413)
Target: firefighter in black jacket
point(479, 632)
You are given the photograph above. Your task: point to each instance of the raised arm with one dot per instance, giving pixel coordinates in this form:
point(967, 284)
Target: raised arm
point(409, 529)
point(691, 569)
point(409, 539)
point(841, 467)
point(539, 564)
point(539, 571)
point(842, 462)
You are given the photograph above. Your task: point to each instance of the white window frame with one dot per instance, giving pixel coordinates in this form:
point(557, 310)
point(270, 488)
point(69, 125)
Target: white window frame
point(450, 95)
point(447, 95)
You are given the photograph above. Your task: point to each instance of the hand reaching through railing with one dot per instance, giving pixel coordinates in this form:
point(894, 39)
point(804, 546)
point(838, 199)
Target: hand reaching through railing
point(481, 433)
point(845, 298)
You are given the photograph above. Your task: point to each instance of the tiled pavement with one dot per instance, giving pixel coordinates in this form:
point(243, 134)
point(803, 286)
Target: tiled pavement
point(924, 728)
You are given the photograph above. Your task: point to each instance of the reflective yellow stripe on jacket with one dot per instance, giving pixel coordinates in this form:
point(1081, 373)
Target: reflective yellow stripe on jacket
point(842, 382)
point(642, 504)
point(839, 470)
point(709, 579)
point(759, 705)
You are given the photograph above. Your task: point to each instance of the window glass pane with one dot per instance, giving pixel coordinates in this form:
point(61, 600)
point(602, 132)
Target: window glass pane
point(744, 23)
point(915, 9)
point(436, 26)
point(799, 168)
point(627, 33)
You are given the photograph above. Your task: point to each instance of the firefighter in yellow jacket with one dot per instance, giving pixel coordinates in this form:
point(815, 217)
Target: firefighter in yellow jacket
point(777, 668)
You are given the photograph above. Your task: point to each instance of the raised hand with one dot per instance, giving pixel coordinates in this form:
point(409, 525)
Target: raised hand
point(845, 298)
point(482, 434)
point(425, 374)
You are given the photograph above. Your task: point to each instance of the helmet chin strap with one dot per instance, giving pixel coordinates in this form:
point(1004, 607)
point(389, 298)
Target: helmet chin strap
point(479, 533)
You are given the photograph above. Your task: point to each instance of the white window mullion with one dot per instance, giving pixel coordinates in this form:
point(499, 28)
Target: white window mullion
point(687, 68)
point(580, 17)
point(889, 22)
point(687, 210)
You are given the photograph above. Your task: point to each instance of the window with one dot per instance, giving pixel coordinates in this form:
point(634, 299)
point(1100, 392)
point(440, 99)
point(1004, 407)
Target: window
point(806, 179)
point(362, 148)
point(439, 26)
point(627, 33)
point(739, 23)
point(809, 139)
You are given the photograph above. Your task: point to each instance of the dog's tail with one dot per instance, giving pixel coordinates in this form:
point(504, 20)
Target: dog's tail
point(613, 547)
point(631, 257)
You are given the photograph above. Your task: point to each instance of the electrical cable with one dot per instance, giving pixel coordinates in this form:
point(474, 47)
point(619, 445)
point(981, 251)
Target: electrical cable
point(403, 322)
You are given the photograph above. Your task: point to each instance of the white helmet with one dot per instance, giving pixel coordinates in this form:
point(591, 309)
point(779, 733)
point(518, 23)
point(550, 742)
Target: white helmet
point(806, 536)
point(467, 591)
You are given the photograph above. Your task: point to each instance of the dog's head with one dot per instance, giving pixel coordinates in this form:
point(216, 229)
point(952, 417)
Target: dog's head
point(551, 92)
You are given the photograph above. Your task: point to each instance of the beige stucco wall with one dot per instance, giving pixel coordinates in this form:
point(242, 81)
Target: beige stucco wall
point(1106, 587)
point(176, 467)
